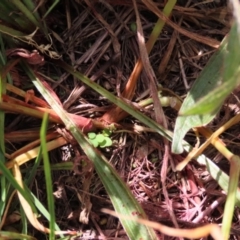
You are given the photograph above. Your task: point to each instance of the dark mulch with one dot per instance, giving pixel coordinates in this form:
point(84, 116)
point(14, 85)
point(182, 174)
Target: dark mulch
point(84, 42)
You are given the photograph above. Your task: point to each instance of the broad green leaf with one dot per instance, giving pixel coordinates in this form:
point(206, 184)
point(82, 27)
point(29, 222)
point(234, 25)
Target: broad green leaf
point(232, 73)
point(231, 78)
point(209, 91)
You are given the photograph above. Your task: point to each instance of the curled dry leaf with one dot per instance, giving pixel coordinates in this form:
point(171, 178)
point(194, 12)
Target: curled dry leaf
point(29, 95)
point(33, 58)
point(85, 124)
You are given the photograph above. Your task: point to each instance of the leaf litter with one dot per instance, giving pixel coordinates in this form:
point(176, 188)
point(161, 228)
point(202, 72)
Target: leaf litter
point(98, 41)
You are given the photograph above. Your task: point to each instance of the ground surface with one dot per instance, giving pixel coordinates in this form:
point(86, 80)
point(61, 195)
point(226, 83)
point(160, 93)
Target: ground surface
point(99, 40)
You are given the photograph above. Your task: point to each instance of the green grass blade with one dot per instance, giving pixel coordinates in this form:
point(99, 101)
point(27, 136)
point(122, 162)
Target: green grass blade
point(2, 143)
point(31, 174)
point(231, 196)
point(160, 24)
point(119, 102)
point(5, 6)
point(31, 6)
point(28, 14)
point(48, 177)
point(8, 175)
point(23, 221)
point(120, 195)
point(51, 8)
point(28, 180)
point(16, 236)
point(3, 60)
point(44, 211)
point(14, 19)
point(10, 31)
point(62, 166)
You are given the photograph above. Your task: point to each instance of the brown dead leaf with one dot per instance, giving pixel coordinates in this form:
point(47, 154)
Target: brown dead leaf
point(85, 124)
point(33, 58)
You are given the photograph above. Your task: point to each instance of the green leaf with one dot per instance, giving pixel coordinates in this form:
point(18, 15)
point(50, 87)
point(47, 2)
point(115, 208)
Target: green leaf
point(206, 96)
point(231, 78)
point(106, 132)
point(106, 143)
point(94, 142)
point(133, 27)
point(28, 14)
point(13, 235)
point(231, 196)
point(8, 175)
point(100, 138)
point(91, 135)
point(48, 175)
point(10, 31)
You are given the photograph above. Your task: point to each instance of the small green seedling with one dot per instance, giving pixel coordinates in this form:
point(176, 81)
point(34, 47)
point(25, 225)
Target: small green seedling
point(133, 27)
point(102, 139)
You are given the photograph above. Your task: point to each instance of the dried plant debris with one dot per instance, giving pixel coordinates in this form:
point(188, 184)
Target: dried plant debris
point(99, 39)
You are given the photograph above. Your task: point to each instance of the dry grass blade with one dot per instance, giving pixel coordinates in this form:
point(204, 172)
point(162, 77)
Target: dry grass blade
point(116, 114)
point(213, 139)
point(208, 41)
point(159, 115)
point(27, 208)
point(209, 229)
point(26, 156)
